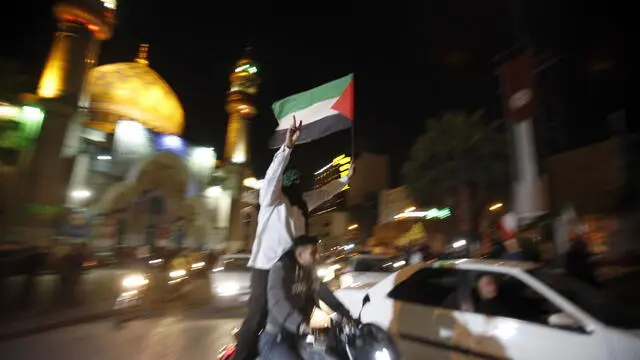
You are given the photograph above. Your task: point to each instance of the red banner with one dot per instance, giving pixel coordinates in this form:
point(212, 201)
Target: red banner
point(517, 82)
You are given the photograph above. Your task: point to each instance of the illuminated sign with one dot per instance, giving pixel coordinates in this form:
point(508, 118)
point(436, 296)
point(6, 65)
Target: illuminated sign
point(429, 214)
point(341, 160)
point(344, 163)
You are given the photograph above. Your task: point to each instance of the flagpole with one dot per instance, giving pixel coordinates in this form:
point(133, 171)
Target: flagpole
point(353, 142)
point(353, 133)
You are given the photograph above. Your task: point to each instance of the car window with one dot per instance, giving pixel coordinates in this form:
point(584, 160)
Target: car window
point(514, 299)
point(234, 264)
point(429, 287)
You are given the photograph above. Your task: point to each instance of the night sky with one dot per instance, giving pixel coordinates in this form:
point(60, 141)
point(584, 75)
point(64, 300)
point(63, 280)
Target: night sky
point(411, 60)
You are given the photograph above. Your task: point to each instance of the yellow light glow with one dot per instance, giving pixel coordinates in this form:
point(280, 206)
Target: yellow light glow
point(236, 142)
point(341, 160)
point(337, 159)
point(352, 227)
point(51, 83)
point(344, 167)
point(495, 206)
point(134, 91)
point(409, 209)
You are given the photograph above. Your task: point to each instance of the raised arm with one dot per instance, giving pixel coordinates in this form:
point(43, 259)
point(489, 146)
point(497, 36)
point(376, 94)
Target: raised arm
point(271, 190)
point(279, 305)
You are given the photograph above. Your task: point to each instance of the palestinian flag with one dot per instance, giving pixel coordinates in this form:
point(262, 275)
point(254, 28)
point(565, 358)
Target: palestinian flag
point(323, 110)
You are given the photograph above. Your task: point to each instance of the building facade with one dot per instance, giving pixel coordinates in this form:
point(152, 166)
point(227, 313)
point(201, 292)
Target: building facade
point(330, 227)
point(393, 202)
point(336, 169)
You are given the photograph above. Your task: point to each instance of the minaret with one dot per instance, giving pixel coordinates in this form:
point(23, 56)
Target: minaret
point(244, 85)
point(82, 25)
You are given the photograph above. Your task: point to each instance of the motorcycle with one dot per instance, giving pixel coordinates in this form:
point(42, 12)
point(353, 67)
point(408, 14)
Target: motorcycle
point(140, 288)
point(134, 290)
point(342, 340)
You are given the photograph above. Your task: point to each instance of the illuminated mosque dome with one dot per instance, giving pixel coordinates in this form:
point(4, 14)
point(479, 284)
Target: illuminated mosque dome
point(133, 91)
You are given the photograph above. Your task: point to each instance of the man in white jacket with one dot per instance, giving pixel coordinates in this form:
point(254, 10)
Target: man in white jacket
point(284, 211)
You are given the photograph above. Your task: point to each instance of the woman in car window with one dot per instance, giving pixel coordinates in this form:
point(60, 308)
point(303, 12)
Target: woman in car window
point(489, 300)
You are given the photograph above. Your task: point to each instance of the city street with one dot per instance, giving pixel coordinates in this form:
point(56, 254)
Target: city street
point(191, 334)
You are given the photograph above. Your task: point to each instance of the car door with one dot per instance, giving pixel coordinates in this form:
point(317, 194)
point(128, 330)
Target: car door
point(526, 334)
point(426, 324)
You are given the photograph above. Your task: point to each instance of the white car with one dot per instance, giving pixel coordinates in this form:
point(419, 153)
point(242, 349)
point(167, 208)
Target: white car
point(551, 315)
point(231, 280)
point(363, 270)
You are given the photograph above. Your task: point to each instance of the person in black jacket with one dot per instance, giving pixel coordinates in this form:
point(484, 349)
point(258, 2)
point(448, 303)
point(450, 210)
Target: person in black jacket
point(293, 292)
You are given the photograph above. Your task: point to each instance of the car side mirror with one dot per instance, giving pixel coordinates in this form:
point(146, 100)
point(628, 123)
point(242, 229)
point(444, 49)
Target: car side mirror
point(564, 321)
point(365, 301)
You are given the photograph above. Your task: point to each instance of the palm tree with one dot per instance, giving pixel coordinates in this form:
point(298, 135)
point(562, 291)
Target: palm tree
point(461, 159)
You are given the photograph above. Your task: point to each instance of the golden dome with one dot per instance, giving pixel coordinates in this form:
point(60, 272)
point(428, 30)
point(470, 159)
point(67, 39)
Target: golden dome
point(133, 91)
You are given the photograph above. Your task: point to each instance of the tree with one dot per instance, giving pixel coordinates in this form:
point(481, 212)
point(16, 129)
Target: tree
point(460, 160)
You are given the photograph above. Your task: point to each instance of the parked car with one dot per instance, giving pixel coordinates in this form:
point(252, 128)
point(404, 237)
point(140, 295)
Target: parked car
point(231, 280)
point(432, 311)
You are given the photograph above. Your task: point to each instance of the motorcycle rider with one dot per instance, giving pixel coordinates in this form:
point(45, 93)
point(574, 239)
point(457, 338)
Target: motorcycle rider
point(284, 211)
point(293, 292)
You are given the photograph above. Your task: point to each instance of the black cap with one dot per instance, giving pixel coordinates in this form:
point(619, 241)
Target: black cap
point(303, 240)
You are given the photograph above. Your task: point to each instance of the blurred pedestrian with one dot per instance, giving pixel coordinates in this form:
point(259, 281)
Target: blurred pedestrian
point(416, 256)
point(33, 264)
point(70, 274)
point(577, 261)
point(497, 250)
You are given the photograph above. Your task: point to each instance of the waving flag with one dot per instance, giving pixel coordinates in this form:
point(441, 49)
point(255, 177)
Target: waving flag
point(322, 110)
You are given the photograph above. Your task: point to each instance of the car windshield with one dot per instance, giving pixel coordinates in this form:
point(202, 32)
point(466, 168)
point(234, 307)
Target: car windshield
point(375, 265)
point(598, 303)
point(235, 264)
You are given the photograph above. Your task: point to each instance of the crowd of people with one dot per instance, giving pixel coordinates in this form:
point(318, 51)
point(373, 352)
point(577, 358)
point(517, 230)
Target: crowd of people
point(30, 262)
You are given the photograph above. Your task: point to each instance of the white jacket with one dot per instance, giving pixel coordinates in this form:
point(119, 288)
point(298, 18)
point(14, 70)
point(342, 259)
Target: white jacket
point(278, 221)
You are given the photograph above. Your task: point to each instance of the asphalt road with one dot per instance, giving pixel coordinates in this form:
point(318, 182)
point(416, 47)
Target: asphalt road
point(183, 334)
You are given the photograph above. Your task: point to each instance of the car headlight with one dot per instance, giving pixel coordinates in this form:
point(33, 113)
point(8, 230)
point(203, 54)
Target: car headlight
point(228, 289)
point(177, 273)
point(134, 281)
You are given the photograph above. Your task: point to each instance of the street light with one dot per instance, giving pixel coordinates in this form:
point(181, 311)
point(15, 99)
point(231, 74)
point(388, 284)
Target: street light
point(354, 226)
point(80, 194)
point(495, 206)
point(459, 243)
